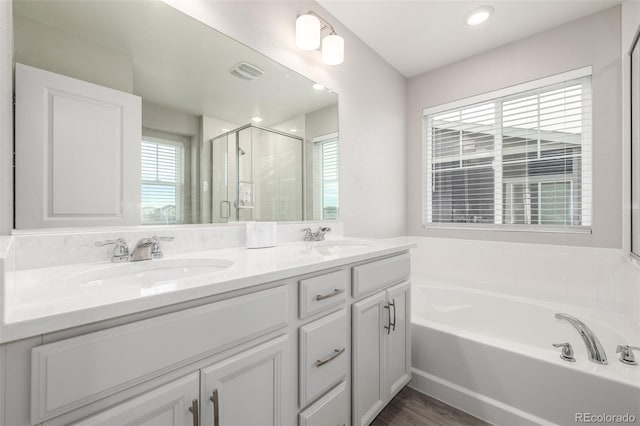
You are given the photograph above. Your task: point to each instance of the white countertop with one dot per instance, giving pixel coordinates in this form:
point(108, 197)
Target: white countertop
point(43, 300)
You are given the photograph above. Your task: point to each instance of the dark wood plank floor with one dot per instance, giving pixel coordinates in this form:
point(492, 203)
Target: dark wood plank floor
point(412, 408)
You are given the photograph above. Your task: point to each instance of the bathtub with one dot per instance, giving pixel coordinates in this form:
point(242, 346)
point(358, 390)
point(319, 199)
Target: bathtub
point(491, 355)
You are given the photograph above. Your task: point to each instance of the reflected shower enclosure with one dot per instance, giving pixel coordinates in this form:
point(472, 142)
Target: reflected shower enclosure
point(256, 174)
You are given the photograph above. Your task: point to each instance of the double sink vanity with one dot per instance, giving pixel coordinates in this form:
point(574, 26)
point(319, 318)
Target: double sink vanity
point(308, 333)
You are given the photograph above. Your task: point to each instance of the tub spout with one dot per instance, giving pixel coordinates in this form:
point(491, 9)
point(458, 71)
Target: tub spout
point(594, 347)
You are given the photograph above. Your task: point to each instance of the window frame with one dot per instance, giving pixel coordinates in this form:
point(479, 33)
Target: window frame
point(502, 95)
point(319, 182)
point(170, 139)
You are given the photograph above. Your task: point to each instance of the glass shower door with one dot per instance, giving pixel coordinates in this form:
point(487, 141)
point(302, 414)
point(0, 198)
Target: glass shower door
point(221, 209)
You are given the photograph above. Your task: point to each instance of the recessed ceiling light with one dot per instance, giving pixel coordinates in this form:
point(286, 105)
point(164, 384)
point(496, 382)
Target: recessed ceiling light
point(293, 130)
point(256, 119)
point(224, 130)
point(318, 86)
point(479, 15)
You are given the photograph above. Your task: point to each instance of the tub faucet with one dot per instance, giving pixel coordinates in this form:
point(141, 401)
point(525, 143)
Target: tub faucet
point(594, 347)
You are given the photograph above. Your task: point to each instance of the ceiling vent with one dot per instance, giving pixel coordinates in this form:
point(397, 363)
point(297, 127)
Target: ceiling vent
point(246, 71)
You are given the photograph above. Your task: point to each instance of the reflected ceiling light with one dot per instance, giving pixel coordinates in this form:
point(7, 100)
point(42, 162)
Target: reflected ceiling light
point(318, 86)
point(224, 130)
point(293, 130)
point(309, 29)
point(479, 15)
point(256, 119)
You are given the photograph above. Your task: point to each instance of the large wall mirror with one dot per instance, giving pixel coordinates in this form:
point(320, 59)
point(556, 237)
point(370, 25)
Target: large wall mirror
point(635, 145)
point(131, 113)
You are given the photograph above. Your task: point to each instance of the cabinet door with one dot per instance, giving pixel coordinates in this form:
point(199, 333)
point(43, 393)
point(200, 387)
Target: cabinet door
point(369, 319)
point(398, 340)
point(168, 405)
point(246, 389)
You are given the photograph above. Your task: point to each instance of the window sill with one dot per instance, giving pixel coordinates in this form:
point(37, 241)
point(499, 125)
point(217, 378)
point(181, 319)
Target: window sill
point(510, 228)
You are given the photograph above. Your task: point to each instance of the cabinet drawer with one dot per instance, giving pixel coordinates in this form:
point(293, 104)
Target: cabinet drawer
point(323, 355)
point(323, 292)
point(330, 410)
point(376, 275)
point(70, 373)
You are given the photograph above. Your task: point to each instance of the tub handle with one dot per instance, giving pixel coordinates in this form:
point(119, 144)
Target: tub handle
point(626, 354)
point(567, 351)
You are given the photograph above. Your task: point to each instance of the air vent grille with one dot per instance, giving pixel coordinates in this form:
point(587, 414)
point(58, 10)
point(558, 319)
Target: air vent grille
point(246, 71)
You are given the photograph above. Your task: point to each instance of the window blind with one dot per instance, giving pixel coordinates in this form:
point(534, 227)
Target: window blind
point(162, 174)
point(521, 161)
point(327, 172)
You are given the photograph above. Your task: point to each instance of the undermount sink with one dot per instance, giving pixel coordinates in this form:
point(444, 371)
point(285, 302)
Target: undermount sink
point(342, 243)
point(147, 272)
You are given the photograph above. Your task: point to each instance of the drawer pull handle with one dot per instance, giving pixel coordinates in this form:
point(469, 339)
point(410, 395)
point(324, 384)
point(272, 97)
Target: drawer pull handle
point(336, 353)
point(194, 411)
point(216, 407)
point(335, 292)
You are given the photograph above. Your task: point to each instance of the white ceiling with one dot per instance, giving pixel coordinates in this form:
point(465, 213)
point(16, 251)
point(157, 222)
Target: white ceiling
point(416, 36)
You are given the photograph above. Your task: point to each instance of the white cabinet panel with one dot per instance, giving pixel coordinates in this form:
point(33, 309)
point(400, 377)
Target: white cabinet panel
point(322, 292)
point(383, 273)
point(369, 319)
point(398, 339)
point(246, 389)
point(330, 410)
point(77, 371)
point(60, 120)
point(167, 405)
point(323, 355)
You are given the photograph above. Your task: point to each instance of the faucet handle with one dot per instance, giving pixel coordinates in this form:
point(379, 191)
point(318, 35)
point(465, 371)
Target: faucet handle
point(120, 251)
point(308, 234)
point(567, 351)
point(156, 250)
point(626, 354)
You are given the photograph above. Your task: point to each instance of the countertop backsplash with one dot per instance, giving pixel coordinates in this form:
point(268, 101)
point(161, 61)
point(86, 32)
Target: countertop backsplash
point(41, 249)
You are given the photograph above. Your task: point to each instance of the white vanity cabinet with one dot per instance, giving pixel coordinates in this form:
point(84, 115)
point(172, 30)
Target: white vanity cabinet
point(381, 363)
point(330, 347)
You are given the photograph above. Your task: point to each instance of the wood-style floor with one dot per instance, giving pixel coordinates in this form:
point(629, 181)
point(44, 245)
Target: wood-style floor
point(412, 408)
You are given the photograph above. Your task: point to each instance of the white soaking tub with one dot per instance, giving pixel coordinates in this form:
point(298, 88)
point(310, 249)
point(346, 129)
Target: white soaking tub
point(491, 355)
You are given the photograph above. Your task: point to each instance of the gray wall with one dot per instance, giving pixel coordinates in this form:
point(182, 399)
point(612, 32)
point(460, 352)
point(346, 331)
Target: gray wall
point(6, 118)
point(593, 40)
point(372, 98)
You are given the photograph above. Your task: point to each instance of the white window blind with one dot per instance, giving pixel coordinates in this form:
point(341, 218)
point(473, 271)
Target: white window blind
point(162, 195)
point(519, 161)
point(326, 148)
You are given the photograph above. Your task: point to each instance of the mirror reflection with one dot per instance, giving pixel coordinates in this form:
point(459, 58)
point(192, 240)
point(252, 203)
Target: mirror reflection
point(133, 113)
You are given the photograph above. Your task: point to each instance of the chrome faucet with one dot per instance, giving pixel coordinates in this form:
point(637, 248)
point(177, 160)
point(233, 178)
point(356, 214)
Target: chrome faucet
point(315, 236)
point(594, 347)
point(148, 248)
point(120, 251)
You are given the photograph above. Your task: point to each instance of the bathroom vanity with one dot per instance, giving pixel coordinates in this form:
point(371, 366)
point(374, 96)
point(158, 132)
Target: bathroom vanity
point(304, 333)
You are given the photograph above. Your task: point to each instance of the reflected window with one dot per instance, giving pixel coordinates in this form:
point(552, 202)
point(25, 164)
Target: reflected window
point(326, 173)
point(519, 160)
point(162, 175)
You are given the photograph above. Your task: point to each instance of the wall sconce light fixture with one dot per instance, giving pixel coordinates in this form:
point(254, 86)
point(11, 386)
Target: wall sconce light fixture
point(309, 29)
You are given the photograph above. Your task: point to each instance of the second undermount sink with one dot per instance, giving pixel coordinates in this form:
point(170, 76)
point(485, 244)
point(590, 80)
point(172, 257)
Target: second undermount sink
point(147, 272)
